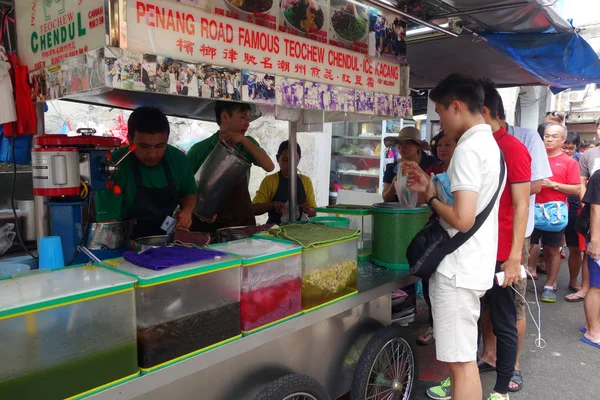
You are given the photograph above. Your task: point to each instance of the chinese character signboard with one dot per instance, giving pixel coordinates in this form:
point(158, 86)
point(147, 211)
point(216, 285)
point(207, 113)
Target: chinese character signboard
point(184, 32)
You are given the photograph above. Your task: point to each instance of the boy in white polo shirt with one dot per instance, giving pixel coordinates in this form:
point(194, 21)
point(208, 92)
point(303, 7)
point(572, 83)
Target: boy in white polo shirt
point(463, 276)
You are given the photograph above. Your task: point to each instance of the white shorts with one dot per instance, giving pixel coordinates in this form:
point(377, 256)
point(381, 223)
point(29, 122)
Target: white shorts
point(455, 315)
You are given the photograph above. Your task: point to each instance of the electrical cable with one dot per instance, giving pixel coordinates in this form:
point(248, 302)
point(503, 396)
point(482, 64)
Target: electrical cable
point(14, 159)
point(540, 343)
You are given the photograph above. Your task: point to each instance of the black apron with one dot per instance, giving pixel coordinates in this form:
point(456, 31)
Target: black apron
point(152, 206)
point(283, 195)
point(235, 210)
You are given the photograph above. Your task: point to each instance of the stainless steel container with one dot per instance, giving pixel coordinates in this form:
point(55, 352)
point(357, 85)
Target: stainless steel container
point(225, 235)
point(28, 208)
point(223, 169)
point(150, 242)
point(110, 235)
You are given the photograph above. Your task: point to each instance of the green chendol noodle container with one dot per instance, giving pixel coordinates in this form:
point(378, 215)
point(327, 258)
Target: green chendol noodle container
point(393, 229)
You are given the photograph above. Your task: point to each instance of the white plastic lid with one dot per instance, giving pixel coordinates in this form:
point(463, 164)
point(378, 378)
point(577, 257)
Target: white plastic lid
point(45, 288)
point(253, 248)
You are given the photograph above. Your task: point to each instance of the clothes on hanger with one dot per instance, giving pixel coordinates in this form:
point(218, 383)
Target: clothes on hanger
point(18, 75)
point(8, 112)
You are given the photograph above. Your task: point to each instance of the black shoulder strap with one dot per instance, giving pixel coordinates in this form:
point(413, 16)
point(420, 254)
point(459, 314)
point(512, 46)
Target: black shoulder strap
point(460, 238)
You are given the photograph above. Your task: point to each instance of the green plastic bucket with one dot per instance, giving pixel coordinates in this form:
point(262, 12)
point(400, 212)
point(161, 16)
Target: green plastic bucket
point(393, 229)
point(337, 222)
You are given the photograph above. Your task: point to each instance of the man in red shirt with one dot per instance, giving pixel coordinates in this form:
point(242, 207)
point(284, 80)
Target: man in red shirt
point(563, 182)
point(512, 224)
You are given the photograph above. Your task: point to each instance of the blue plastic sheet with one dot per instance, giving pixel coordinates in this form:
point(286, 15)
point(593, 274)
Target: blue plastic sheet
point(559, 60)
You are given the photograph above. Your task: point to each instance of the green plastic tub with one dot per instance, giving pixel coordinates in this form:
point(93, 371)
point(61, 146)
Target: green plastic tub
point(336, 222)
point(393, 229)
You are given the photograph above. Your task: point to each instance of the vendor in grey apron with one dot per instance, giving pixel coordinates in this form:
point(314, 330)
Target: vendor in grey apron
point(234, 208)
point(153, 178)
point(152, 205)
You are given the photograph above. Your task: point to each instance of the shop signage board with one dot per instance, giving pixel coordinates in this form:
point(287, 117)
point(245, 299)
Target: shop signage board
point(52, 30)
point(184, 32)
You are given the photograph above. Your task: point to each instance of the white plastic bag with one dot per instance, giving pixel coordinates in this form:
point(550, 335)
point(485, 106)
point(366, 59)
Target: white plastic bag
point(406, 197)
point(285, 217)
point(7, 236)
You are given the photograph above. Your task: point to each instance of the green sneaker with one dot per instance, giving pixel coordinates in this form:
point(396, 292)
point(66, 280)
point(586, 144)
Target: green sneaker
point(497, 396)
point(548, 296)
point(441, 392)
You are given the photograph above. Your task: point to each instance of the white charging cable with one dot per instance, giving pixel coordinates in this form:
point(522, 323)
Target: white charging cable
point(540, 343)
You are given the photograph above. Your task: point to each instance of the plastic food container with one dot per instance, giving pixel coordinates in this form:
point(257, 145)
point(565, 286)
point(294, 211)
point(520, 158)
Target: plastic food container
point(393, 229)
point(271, 281)
point(183, 311)
point(7, 270)
point(329, 272)
point(359, 217)
point(66, 333)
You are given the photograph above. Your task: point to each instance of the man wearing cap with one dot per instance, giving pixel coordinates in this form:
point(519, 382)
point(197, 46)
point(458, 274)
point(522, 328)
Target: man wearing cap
point(410, 146)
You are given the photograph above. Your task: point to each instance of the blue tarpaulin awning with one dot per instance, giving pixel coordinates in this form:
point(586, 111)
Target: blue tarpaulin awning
point(559, 60)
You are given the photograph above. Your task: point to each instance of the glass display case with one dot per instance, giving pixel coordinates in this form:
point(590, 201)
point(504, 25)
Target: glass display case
point(359, 156)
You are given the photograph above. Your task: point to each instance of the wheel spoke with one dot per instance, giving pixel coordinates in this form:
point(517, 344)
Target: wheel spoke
point(398, 362)
point(401, 365)
point(390, 363)
point(378, 394)
point(393, 365)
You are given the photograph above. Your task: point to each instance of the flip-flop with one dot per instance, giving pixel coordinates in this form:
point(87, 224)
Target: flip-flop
point(517, 379)
point(574, 298)
point(595, 343)
point(574, 289)
point(431, 340)
point(484, 367)
point(582, 329)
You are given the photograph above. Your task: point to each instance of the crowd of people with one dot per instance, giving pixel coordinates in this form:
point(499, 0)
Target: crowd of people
point(544, 204)
point(390, 37)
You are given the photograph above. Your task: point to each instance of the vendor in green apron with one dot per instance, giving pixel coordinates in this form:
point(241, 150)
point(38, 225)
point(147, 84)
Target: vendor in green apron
point(236, 209)
point(154, 180)
point(274, 191)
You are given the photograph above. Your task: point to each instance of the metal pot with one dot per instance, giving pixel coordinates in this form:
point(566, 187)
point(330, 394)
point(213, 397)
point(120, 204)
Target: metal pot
point(151, 242)
point(110, 235)
point(225, 235)
point(230, 234)
point(28, 231)
point(223, 169)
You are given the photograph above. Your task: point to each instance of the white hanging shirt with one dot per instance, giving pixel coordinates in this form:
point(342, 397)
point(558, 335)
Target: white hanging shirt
point(8, 112)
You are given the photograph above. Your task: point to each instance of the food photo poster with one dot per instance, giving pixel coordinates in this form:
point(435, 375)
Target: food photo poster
point(349, 25)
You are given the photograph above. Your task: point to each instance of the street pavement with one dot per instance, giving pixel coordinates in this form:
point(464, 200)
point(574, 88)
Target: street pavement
point(565, 369)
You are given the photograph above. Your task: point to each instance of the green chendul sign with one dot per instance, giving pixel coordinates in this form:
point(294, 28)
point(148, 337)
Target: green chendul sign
point(58, 36)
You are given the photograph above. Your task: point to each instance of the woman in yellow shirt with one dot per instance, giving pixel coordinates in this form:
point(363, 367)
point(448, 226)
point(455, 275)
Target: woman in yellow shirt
point(273, 193)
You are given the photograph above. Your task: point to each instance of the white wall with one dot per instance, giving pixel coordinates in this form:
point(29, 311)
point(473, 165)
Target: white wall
point(533, 101)
point(509, 98)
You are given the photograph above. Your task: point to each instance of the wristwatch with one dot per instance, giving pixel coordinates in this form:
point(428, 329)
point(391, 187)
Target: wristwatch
point(555, 187)
point(431, 200)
